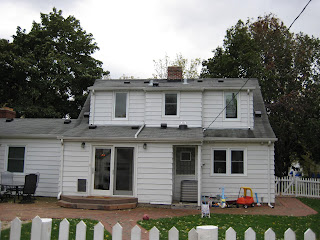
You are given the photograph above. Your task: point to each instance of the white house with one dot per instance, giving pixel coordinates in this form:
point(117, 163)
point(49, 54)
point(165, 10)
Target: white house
point(145, 138)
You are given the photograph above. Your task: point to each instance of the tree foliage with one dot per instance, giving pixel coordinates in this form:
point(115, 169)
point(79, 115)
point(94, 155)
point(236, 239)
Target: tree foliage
point(47, 71)
point(288, 68)
point(189, 68)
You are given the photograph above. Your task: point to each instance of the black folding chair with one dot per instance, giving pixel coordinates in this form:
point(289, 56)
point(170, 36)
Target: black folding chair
point(29, 189)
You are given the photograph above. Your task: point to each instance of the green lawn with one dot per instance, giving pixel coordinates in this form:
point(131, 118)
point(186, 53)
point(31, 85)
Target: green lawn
point(240, 223)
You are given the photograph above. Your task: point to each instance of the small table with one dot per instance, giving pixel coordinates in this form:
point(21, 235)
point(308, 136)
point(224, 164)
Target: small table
point(15, 186)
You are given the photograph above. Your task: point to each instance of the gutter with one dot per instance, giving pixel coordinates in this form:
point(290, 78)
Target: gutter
point(229, 139)
point(154, 140)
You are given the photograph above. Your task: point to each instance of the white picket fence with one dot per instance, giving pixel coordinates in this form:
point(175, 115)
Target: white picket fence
point(41, 230)
point(297, 186)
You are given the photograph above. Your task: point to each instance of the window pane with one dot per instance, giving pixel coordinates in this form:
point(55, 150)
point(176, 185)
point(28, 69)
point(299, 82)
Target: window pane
point(171, 104)
point(121, 105)
point(231, 105)
point(16, 159)
point(102, 169)
point(220, 161)
point(236, 161)
point(184, 167)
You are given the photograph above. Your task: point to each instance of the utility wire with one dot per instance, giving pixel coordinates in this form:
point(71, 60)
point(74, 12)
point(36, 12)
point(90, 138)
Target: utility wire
point(299, 14)
point(233, 97)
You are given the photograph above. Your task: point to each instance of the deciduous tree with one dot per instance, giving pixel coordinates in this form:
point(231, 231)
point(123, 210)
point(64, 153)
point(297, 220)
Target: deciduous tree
point(48, 70)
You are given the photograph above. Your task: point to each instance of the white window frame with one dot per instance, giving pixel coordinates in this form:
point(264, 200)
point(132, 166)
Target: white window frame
point(185, 160)
point(114, 106)
point(225, 106)
point(228, 162)
point(164, 105)
point(24, 160)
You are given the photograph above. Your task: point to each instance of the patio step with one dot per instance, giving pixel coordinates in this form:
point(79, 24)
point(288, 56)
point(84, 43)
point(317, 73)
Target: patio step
point(98, 203)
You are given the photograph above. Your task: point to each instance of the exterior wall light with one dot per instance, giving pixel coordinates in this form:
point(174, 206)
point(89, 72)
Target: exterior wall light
point(144, 146)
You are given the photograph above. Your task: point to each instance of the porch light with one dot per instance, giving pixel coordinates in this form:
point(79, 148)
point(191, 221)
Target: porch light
point(144, 146)
point(83, 144)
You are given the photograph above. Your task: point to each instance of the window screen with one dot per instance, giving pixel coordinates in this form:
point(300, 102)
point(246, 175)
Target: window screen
point(16, 159)
point(121, 105)
point(231, 105)
point(219, 161)
point(171, 104)
point(185, 160)
point(236, 161)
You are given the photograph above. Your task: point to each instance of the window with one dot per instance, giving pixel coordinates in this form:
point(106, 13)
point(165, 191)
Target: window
point(231, 103)
point(185, 160)
point(171, 104)
point(120, 110)
point(16, 159)
point(220, 161)
point(236, 161)
point(228, 161)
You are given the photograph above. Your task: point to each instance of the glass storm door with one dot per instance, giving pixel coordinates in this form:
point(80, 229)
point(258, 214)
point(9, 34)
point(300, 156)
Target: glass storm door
point(123, 174)
point(102, 171)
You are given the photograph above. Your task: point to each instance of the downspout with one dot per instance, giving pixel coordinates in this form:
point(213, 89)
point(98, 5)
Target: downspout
point(61, 169)
point(269, 176)
point(199, 173)
point(93, 106)
point(248, 109)
point(140, 129)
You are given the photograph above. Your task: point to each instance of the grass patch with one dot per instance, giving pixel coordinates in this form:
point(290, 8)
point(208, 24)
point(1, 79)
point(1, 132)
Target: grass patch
point(26, 230)
point(240, 223)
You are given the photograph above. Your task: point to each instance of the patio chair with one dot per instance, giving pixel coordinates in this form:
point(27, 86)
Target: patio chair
point(6, 182)
point(29, 189)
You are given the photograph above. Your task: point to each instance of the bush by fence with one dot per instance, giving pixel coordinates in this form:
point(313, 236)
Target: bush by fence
point(41, 230)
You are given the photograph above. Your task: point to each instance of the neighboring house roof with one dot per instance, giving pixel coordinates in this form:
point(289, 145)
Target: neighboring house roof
point(78, 129)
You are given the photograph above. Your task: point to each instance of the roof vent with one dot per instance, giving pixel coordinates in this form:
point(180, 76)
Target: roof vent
point(9, 119)
point(220, 80)
point(91, 126)
point(146, 82)
point(163, 125)
point(257, 113)
point(126, 82)
point(135, 127)
point(86, 114)
point(185, 81)
point(199, 80)
point(67, 121)
point(183, 126)
point(151, 83)
point(155, 84)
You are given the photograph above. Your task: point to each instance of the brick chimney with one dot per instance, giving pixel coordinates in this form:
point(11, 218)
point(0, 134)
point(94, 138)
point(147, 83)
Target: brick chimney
point(174, 73)
point(6, 112)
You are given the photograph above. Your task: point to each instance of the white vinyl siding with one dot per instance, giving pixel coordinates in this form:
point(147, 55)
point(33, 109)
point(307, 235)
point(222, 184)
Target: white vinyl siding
point(189, 109)
point(214, 113)
point(256, 173)
point(41, 156)
point(102, 108)
point(76, 166)
point(154, 174)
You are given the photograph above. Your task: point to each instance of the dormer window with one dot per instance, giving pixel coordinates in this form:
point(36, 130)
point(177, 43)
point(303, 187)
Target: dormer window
point(171, 104)
point(231, 105)
point(120, 107)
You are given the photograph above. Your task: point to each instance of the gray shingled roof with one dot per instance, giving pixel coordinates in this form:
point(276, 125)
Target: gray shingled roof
point(194, 84)
point(34, 128)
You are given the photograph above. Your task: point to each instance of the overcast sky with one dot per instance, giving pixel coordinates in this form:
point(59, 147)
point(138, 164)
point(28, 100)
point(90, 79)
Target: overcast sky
point(133, 33)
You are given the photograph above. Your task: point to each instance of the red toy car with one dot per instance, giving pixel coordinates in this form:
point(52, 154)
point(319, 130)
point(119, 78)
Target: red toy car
point(245, 200)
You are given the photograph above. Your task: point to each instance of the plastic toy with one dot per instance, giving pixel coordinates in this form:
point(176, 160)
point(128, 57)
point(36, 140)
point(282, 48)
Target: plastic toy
point(245, 200)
